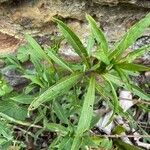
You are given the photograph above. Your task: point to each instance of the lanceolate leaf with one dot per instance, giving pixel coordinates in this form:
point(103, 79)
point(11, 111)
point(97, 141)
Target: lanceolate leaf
point(136, 53)
point(124, 77)
point(23, 99)
point(90, 44)
point(36, 49)
point(130, 37)
point(135, 89)
point(101, 91)
point(133, 67)
point(13, 110)
point(100, 55)
point(37, 63)
point(100, 38)
point(86, 113)
point(55, 90)
point(56, 128)
point(98, 34)
point(5, 131)
point(74, 41)
point(115, 100)
point(60, 112)
point(140, 93)
point(58, 60)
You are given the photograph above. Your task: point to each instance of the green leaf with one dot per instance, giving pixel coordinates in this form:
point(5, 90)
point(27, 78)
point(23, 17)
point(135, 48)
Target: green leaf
point(100, 38)
point(23, 99)
point(53, 127)
point(73, 40)
point(124, 146)
point(12, 59)
point(2, 141)
point(88, 142)
point(4, 88)
point(37, 63)
point(65, 144)
point(106, 143)
point(115, 100)
point(124, 76)
point(101, 91)
point(11, 119)
point(58, 89)
point(35, 80)
point(13, 110)
point(131, 36)
point(114, 79)
point(100, 55)
point(58, 60)
point(90, 44)
point(86, 114)
point(36, 49)
point(60, 112)
point(118, 130)
point(139, 92)
point(5, 131)
point(98, 34)
point(136, 53)
point(135, 89)
point(22, 53)
point(133, 67)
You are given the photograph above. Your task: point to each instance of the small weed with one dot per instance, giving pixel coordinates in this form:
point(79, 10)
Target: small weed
point(60, 97)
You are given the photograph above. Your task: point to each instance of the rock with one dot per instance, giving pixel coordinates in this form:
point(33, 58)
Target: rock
point(141, 41)
point(13, 78)
point(137, 3)
point(8, 43)
point(147, 74)
point(35, 17)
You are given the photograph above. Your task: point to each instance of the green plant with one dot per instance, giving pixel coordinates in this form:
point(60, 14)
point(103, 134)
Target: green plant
point(63, 94)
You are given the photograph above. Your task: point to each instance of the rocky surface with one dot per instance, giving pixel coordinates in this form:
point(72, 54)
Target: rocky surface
point(13, 78)
point(136, 3)
point(35, 17)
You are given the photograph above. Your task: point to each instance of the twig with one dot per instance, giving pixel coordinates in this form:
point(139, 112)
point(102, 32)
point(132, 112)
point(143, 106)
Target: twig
point(24, 131)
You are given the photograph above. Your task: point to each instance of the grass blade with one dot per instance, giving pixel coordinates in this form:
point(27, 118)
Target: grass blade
point(131, 36)
point(86, 113)
point(55, 90)
point(58, 60)
point(73, 40)
point(100, 38)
